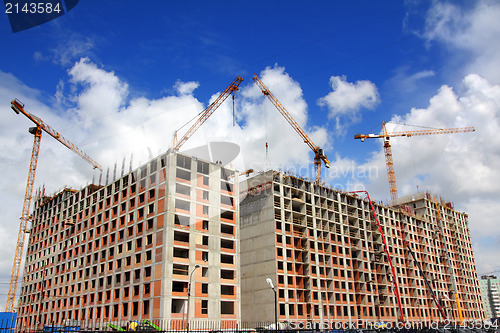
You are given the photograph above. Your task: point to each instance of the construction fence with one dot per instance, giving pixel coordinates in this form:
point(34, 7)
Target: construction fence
point(204, 326)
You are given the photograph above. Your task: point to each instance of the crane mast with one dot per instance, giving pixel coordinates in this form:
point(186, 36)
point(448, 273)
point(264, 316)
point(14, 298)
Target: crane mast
point(319, 154)
point(18, 108)
point(207, 113)
point(388, 150)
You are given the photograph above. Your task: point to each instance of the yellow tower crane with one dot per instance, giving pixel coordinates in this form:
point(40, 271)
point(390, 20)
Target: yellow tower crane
point(319, 154)
point(207, 113)
point(388, 151)
point(18, 108)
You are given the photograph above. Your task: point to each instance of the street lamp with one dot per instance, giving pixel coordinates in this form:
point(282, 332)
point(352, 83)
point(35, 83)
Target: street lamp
point(189, 295)
point(270, 283)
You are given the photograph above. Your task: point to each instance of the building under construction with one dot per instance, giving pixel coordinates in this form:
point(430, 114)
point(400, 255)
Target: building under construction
point(163, 243)
point(329, 260)
point(160, 242)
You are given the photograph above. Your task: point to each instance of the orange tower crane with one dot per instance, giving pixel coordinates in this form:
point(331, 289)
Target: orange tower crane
point(18, 108)
point(207, 113)
point(319, 154)
point(388, 151)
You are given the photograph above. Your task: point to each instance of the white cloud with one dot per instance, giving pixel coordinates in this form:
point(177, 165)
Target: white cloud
point(99, 92)
point(186, 88)
point(109, 127)
point(462, 167)
point(474, 31)
point(347, 99)
point(407, 81)
point(67, 51)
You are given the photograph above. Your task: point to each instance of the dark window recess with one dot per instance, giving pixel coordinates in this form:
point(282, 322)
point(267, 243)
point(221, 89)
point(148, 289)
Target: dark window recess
point(226, 244)
point(226, 307)
point(204, 306)
point(125, 309)
point(181, 220)
point(179, 286)
point(181, 253)
point(181, 204)
point(229, 215)
point(226, 274)
point(181, 236)
point(225, 200)
point(226, 229)
point(180, 269)
point(183, 174)
point(178, 305)
point(135, 308)
point(182, 189)
point(203, 167)
point(183, 162)
point(227, 290)
point(226, 259)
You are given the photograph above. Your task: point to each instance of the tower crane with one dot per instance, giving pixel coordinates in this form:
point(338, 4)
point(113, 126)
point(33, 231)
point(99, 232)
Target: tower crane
point(319, 154)
point(18, 108)
point(388, 151)
point(207, 113)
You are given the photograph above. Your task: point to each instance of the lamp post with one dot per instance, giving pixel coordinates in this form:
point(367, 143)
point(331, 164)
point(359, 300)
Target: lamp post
point(270, 283)
point(189, 295)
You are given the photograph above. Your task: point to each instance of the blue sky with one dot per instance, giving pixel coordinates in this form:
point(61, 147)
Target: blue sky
point(119, 79)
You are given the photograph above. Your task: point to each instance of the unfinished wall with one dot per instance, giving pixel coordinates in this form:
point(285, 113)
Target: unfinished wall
point(330, 261)
point(124, 251)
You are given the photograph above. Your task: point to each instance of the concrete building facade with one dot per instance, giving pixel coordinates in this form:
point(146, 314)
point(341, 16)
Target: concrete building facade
point(490, 286)
point(130, 249)
point(324, 252)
